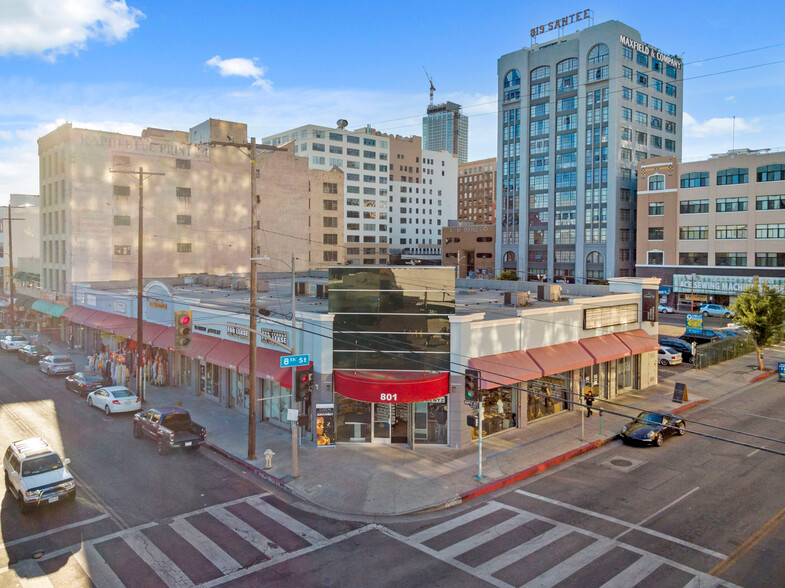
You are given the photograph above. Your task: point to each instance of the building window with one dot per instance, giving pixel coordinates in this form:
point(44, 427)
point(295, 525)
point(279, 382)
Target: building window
point(566, 65)
point(695, 179)
point(670, 108)
point(670, 145)
point(655, 258)
point(693, 233)
point(656, 103)
point(626, 134)
point(513, 78)
point(730, 259)
point(317, 146)
point(642, 59)
point(540, 73)
point(641, 98)
point(330, 256)
point(693, 258)
point(183, 193)
point(330, 239)
point(183, 219)
point(771, 173)
point(626, 113)
point(770, 260)
point(641, 138)
point(336, 137)
point(122, 220)
point(598, 54)
point(642, 79)
point(183, 164)
point(626, 52)
point(641, 117)
point(670, 127)
point(670, 71)
point(352, 139)
point(734, 175)
point(770, 231)
point(732, 204)
point(626, 93)
point(670, 90)
point(693, 206)
point(121, 161)
point(656, 182)
point(122, 250)
point(597, 73)
point(770, 202)
point(731, 231)
point(183, 248)
point(656, 234)
point(626, 72)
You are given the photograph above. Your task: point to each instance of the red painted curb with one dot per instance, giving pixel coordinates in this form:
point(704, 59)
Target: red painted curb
point(258, 471)
point(689, 406)
point(760, 377)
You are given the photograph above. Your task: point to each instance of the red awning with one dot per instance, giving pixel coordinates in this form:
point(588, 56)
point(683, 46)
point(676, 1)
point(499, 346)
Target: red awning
point(604, 348)
point(391, 387)
point(151, 332)
point(80, 317)
point(115, 323)
point(71, 312)
point(200, 346)
point(639, 341)
point(555, 359)
point(504, 369)
point(284, 375)
point(94, 320)
point(268, 362)
point(228, 354)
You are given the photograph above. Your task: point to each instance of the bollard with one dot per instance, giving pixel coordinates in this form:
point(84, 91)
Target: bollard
point(268, 458)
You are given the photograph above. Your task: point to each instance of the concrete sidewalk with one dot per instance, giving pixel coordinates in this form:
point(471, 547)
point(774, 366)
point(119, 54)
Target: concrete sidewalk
point(369, 480)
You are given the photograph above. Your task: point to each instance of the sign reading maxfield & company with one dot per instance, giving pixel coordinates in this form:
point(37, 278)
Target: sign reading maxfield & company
point(720, 284)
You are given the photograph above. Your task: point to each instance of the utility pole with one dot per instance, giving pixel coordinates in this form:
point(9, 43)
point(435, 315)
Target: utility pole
point(252, 309)
point(141, 177)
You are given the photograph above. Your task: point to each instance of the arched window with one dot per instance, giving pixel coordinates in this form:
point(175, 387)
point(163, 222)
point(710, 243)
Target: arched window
point(566, 65)
point(540, 73)
point(598, 54)
point(509, 256)
point(513, 78)
point(657, 182)
point(595, 267)
point(595, 257)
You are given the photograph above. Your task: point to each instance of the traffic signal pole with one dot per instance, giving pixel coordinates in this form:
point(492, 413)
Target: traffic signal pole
point(479, 443)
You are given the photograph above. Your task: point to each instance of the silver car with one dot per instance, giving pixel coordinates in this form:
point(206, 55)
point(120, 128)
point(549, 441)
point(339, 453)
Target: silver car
point(57, 364)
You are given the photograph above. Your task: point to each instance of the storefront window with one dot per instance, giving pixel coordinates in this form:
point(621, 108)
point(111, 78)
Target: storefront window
point(277, 400)
point(184, 371)
point(210, 384)
point(353, 423)
point(547, 396)
point(499, 411)
point(239, 392)
point(430, 421)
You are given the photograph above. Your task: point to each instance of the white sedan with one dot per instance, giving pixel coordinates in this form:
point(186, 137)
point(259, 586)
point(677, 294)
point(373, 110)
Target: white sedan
point(14, 342)
point(114, 399)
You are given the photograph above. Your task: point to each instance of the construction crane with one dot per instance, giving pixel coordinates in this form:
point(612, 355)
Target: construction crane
point(430, 79)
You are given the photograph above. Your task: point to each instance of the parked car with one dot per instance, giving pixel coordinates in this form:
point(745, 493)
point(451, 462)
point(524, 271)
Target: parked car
point(729, 332)
point(57, 364)
point(13, 342)
point(84, 382)
point(666, 309)
point(170, 428)
point(32, 353)
point(114, 399)
point(715, 310)
point(35, 474)
point(681, 346)
point(699, 339)
point(652, 428)
point(668, 356)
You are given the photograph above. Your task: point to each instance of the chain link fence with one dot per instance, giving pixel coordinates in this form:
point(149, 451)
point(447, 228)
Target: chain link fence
point(725, 349)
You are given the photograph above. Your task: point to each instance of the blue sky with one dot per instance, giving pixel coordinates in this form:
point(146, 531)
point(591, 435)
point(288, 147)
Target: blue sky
point(123, 66)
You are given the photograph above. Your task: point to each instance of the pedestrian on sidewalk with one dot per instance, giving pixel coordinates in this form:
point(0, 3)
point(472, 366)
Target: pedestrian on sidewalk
point(441, 424)
point(589, 399)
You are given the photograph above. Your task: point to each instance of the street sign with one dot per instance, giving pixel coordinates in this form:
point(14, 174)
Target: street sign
point(472, 403)
point(694, 324)
point(781, 369)
point(295, 360)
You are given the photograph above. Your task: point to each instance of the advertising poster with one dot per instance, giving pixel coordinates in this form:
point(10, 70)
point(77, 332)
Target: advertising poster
point(325, 425)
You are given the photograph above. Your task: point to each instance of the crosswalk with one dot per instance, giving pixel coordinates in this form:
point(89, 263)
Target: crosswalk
point(205, 547)
point(504, 545)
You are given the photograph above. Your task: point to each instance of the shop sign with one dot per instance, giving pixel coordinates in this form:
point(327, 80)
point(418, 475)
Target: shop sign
point(694, 324)
point(650, 51)
point(242, 332)
point(157, 304)
point(560, 22)
point(731, 285)
point(325, 425)
point(781, 370)
point(665, 290)
point(91, 300)
point(120, 307)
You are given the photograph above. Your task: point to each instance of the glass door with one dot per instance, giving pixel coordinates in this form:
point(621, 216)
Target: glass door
point(382, 414)
point(399, 421)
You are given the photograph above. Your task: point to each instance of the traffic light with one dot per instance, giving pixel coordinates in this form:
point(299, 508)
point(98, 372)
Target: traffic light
point(304, 385)
point(471, 387)
point(183, 326)
point(472, 420)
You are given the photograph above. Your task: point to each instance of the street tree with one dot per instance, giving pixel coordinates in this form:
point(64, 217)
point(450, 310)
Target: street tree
point(761, 310)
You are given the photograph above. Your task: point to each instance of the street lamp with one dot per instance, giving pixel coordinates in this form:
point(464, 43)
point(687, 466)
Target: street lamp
point(11, 292)
point(293, 350)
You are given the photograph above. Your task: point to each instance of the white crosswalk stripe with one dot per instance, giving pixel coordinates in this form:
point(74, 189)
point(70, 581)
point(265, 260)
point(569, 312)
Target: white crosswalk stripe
point(456, 549)
point(247, 532)
point(204, 545)
point(634, 573)
point(284, 519)
point(164, 567)
point(571, 565)
point(524, 549)
point(470, 516)
point(95, 566)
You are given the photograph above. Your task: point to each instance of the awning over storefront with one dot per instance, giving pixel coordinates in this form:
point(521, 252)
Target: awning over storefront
point(639, 341)
point(268, 362)
point(504, 369)
point(24, 300)
point(200, 346)
point(228, 354)
point(605, 348)
point(555, 359)
point(152, 332)
point(94, 320)
point(50, 308)
point(72, 311)
point(119, 325)
point(80, 317)
point(391, 387)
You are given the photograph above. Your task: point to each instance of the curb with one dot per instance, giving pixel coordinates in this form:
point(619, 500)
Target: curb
point(256, 470)
point(760, 377)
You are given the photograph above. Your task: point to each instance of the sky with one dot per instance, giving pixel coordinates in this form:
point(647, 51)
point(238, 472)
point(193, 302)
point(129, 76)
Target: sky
point(123, 66)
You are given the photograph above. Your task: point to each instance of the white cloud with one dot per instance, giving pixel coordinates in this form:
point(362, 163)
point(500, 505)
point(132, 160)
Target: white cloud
point(49, 29)
point(240, 66)
point(730, 98)
point(719, 126)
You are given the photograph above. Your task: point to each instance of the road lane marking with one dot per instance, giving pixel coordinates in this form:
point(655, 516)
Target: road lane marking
point(55, 530)
point(509, 557)
point(753, 540)
point(572, 564)
point(457, 549)
point(247, 532)
point(284, 519)
point(663, 509)
point(634, 573)
point(468, 517)
point(206, 546)
point(157, 560)
point(95, 567)
point(622, 523)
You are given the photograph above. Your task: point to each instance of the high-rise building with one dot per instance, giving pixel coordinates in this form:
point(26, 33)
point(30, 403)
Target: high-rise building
point(24, 214)
point(445, 128)
point(577, 114)
point(477, 191)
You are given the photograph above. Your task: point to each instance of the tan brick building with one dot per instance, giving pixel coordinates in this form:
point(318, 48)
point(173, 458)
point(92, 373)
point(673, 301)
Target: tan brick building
point(196, 215)
point(707, 227)
point(477, 191)
point(470, 248)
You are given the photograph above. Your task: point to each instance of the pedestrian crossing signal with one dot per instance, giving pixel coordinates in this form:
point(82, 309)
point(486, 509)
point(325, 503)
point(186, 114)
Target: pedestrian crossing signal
point(183, 326)
point(471, 385)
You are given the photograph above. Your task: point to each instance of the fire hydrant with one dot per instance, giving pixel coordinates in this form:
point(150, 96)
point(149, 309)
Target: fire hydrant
point(268, 458)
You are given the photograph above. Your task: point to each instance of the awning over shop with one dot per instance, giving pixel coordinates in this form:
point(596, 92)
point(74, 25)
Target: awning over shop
point(50, 308)
point(605, 348)
point(228, 354)
point(72, 311)
point(284, 375)
point(83, 315)
point(95, 320)
point(24, 300)
point(268, 362)
point(200, 346)
point(391, 387)
point(555, 359)
point(639, 341)
point(504, 369)
point(152, 332)
point(119, 325)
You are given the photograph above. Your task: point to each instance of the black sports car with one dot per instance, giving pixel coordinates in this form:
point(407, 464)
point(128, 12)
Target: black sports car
point(85, 382)
point(652, 428)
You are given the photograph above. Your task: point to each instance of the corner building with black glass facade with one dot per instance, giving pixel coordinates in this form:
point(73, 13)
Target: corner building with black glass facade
point(577, 115)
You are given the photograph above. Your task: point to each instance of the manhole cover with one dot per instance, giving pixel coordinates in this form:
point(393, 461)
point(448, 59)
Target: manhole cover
point(38, 554)
point(622, 464)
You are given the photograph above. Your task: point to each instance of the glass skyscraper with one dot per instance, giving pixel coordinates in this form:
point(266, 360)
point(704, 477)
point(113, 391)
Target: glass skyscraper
point(446, 129)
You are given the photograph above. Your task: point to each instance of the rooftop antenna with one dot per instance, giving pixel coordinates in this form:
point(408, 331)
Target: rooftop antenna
point(430, 79)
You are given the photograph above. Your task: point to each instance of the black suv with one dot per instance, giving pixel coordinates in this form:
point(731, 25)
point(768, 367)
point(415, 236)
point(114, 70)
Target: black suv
point(679, 345)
